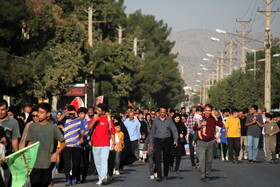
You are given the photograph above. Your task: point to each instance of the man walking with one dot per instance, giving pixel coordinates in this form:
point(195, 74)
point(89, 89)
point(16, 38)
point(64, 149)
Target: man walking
point(254, 122)
point(161, 140)
point(189, 125)
point(243, 140)
point(205, 145)
point(103, 130)
point(233, 136)
point(133, 127)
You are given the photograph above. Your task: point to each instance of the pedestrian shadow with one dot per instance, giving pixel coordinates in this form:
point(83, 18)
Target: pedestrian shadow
point(215, 178)
point(175, 177)
point(184, 170)
point(125, 171)
point(215, 170)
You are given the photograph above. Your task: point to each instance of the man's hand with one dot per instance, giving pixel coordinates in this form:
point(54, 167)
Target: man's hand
point(81, 141)
point(176, 144)
point(54, 158)
point(113, 147)
point(151, 148)
point(181, 135)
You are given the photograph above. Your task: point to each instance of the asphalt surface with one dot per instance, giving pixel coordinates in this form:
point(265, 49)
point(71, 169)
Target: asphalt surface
point(222, 174)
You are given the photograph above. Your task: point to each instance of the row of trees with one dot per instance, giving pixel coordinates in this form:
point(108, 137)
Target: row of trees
point(241, 90)
point(44, 46)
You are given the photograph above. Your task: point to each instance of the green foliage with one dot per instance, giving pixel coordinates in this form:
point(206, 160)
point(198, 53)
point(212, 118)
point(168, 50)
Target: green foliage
point(44, 46)
point(242, 90)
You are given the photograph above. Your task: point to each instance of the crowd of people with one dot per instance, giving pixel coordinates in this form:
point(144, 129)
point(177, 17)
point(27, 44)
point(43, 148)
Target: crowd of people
point(75, 140)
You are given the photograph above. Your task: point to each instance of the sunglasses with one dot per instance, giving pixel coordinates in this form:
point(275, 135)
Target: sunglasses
point(152, 113)
point(34, 116)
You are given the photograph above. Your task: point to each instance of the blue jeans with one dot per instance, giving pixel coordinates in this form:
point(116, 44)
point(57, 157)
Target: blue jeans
point(101, 155)
point(253, 144)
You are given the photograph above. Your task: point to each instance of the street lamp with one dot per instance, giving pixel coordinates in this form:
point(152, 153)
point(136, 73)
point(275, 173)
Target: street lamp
point(206, 59)
point(209, 55)
point(215, 39)
point(255, 51)
point(276, 55)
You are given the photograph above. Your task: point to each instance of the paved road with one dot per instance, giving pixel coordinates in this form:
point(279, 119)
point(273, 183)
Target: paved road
point(223, 174)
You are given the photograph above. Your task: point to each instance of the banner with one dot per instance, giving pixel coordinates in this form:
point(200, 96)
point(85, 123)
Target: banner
point(98, 100)
point(21, 164)
point(77, 103)
point(130, 104)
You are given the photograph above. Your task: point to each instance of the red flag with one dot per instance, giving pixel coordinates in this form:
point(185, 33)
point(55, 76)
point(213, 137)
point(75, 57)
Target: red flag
point(130, 104)
point(98, 100)
point(77, 103)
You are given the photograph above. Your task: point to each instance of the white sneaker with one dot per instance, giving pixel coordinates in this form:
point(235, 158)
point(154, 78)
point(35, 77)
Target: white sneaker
point(99, 183)
point(152, 177)
point(104, 180)
point(117, 172)
point(155, 174)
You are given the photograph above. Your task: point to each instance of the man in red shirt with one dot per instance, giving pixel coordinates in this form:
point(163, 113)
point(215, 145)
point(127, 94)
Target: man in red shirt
point(102, 132)
point(204, 146)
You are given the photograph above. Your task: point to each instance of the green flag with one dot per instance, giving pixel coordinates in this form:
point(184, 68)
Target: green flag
point(21, 164)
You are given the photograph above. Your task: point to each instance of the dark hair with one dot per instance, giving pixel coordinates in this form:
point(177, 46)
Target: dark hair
point(234, 111)
point(59, 112)
point(148, 114)
point(103, 107)
point(226, 110)
point(15, 110)
point(118, 124)
point(71, 108)
point(45, 106)
point(199, 109)
point(172, 111)
point(3, 102)
point(164, 107)
point(255, 107)
point(22, 115)
point(245, 110)
point(82, 109)
point(34, 109)
point(209, 106)
point(91, 107)
point(267, 115)
point(183, 108)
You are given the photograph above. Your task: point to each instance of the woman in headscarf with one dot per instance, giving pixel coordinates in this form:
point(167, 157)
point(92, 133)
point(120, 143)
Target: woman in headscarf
point(31, 119)
point(179, 151)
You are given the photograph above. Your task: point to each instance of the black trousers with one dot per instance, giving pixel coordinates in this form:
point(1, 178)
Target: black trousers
point(41, 177)
point(162, 149)
point(234, 148)
point(224, 149)
point(191, 149)
point(135, 148)
point(111, 163)
point(85, 163)
point(72, 154)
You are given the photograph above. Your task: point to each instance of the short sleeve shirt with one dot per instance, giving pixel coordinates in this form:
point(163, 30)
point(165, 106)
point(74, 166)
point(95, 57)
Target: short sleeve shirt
point(254, 130)
point(101, 133)
point(11, 128)
point(45, 134)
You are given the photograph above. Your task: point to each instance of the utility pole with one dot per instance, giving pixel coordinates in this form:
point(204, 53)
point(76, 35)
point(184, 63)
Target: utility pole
point(120, 30)
point(217, 75)
point(243, 34)
point(91, 82)
point(91, 92)
point(267, 43)
point(135, 50)
point(222, 65)
point(230, 57)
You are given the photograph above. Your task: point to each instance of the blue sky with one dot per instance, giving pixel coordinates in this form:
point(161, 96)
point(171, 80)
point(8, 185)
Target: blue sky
point(207, 14)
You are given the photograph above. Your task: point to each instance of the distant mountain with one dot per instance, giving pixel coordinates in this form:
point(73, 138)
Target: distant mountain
point(193, 45)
